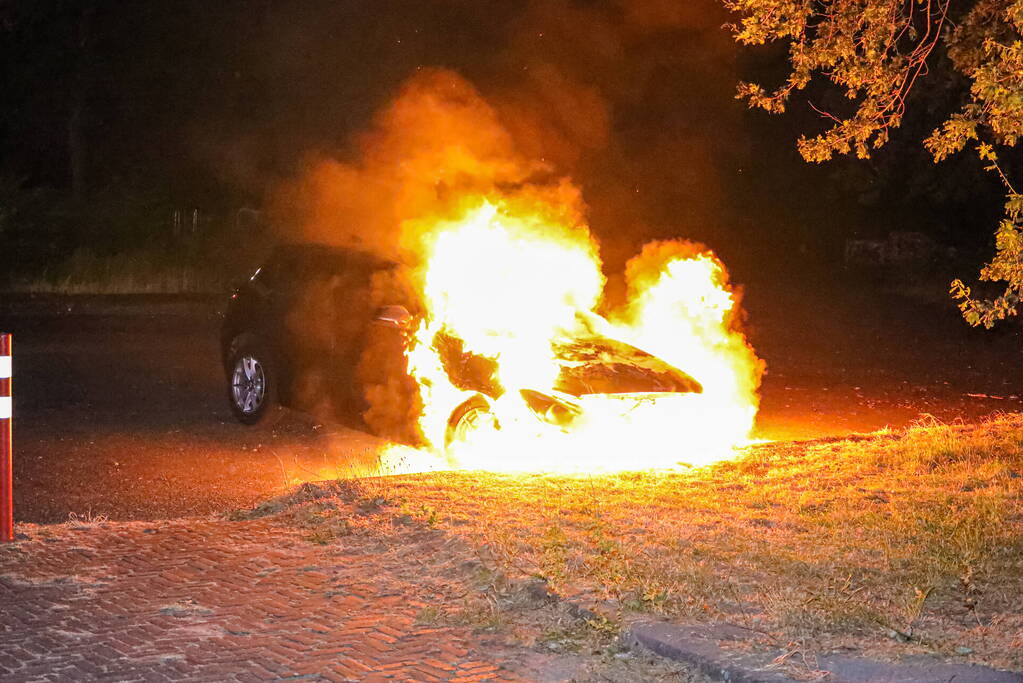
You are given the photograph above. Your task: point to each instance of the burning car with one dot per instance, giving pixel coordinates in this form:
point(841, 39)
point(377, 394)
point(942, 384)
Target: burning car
point(588, 365)
point(311, 324)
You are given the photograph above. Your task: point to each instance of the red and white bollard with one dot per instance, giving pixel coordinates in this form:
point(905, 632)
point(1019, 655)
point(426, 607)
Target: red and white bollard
point(6, 451)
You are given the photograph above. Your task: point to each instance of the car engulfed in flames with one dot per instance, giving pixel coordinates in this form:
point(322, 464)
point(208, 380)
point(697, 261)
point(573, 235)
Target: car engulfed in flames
point(515, 353)
point(588, 366)
point(521, 365)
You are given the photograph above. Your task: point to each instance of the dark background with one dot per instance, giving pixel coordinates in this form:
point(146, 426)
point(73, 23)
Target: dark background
point(153, 131)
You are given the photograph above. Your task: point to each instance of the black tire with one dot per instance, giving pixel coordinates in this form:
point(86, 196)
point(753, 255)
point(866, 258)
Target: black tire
point(465, 416)
point(251, 382)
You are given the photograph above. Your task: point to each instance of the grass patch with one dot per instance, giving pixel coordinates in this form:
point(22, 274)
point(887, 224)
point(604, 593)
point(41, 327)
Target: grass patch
point(138, 272)
point(891, 544)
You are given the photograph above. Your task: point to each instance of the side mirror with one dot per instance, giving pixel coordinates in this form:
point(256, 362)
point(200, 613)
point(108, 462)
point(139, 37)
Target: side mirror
point(394, 316)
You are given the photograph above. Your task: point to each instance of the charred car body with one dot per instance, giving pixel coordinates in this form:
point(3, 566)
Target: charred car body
point(320, 324)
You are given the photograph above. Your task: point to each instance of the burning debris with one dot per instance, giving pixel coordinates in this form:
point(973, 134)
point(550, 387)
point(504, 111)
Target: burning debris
point(514, 358)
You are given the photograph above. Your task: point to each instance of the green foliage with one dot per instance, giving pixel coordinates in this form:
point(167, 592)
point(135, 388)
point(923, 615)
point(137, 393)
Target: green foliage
point(875, 51)
point(1006, 266)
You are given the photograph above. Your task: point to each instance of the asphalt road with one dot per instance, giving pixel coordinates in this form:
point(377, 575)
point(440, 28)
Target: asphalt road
point(125, 415)
point(844, 357)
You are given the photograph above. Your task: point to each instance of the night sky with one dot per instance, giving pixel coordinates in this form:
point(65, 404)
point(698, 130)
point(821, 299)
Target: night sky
point(214, 105)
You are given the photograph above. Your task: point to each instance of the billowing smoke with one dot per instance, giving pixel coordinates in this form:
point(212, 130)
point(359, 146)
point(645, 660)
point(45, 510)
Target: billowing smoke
point(438, 140)
point(631, 98)
point(438, 143)
point(579, 89)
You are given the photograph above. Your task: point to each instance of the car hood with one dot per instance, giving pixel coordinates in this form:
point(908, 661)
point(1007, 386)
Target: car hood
point(602, 365)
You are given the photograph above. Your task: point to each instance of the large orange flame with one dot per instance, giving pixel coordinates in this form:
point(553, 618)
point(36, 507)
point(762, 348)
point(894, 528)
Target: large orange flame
point(511, 280)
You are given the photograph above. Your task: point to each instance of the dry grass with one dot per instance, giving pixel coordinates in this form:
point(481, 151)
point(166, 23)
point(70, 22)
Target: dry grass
point(126, 273)
point(885, 545)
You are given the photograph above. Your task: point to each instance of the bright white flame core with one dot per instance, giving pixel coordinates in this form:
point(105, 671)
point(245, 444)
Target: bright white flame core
point(509, 283)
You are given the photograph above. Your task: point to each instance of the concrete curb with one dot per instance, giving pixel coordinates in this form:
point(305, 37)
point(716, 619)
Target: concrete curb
point(25, 304)
point(700, 647)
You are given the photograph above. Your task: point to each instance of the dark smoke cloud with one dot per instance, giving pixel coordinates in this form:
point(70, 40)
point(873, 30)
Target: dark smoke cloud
point(629, 99)
point(438, 138)
point(632, 99)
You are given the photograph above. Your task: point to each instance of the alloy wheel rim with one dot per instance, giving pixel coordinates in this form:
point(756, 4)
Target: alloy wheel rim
point(248, 384)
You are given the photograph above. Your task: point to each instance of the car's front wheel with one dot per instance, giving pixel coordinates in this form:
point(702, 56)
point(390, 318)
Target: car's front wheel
point(252, 382)
point(471, 415)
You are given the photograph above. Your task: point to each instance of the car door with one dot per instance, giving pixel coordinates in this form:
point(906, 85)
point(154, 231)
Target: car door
point(307, 317)
point(352, 316)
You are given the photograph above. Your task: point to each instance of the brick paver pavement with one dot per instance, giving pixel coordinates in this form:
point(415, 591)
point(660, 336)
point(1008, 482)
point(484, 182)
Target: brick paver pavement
point(213, 600)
